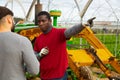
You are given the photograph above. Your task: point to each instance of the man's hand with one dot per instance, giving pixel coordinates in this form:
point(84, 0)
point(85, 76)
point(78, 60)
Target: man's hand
point(90, 22)
point(43, 52)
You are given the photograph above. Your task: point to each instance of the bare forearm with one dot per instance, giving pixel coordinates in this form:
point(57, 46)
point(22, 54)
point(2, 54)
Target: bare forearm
point(73, 30)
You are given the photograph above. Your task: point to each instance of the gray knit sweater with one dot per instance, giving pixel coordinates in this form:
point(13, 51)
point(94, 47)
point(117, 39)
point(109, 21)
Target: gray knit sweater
point(15, 50)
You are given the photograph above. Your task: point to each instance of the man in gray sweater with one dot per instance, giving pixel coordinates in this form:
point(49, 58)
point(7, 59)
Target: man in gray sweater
point(15, 50)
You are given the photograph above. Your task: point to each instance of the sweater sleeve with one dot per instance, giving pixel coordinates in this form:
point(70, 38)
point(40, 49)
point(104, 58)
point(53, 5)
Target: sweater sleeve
point(73, 30)
point(29, 57)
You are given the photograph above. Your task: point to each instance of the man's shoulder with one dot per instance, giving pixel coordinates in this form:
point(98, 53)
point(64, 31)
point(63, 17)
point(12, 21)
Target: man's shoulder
point(19, 37)
point(59, 29)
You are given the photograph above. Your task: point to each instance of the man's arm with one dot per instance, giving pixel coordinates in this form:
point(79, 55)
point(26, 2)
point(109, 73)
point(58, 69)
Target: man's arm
point(78, 28)
point(42, 53)
point(37, 55)
point(73, 30)
point(29, 57)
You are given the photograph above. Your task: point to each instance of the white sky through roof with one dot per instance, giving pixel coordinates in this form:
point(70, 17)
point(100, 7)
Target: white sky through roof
point(99, 8)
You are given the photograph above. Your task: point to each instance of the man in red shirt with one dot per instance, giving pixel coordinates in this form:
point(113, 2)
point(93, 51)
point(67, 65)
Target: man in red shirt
point(54, 64)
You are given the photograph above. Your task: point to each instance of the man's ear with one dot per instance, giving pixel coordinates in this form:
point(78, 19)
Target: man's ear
point(9, 19)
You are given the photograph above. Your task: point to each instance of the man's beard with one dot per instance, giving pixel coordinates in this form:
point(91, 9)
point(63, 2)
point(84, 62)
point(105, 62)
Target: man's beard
point(13, 28)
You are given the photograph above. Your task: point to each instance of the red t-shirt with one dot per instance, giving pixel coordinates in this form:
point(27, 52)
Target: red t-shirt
point(55, 63)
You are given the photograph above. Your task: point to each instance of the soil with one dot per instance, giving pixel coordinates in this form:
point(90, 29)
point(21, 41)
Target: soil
point(96, 74)
point(98, 71)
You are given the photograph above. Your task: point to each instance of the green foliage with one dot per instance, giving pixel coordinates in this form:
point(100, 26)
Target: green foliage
point(109, 40)
point(29, 76)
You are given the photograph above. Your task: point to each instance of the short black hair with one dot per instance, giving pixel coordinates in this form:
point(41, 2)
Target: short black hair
point(5, 11)
point(44, 13)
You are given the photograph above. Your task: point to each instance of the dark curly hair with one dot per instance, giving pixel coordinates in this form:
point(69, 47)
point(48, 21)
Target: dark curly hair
point(45, 13)
point(4, 12)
